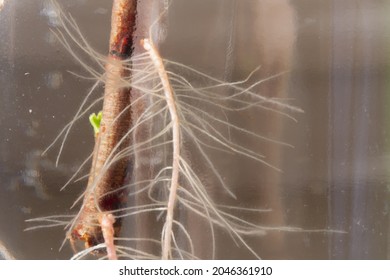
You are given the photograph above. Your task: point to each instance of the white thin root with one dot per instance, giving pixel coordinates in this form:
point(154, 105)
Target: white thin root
point(107, 224)
point(168, 92)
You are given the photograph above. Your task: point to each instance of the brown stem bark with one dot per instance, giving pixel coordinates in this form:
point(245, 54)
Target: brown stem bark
point(102, 192)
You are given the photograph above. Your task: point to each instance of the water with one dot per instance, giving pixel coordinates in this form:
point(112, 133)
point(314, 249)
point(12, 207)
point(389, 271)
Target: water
point(336, 176)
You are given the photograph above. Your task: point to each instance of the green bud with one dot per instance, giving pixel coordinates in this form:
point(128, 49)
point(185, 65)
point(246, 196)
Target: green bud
point(95, 121)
